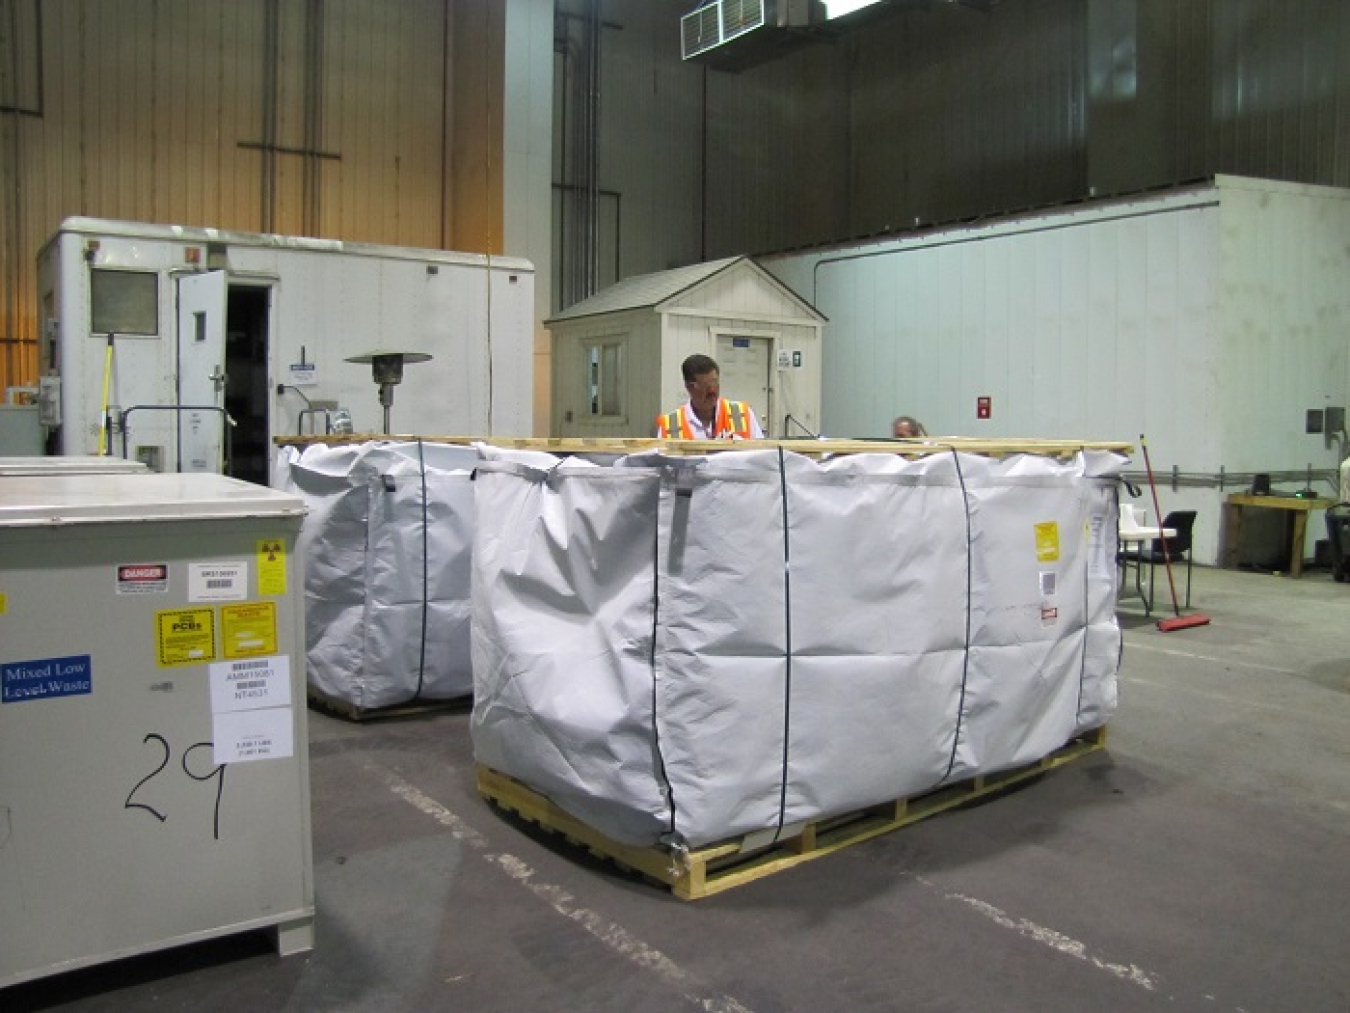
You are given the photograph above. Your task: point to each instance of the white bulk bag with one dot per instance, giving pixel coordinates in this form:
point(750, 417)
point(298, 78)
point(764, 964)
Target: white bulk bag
point(386, 548)
point(688, 649)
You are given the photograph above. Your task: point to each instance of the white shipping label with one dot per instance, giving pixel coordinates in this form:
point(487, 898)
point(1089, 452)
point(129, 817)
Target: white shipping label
point(1101, 552)
point(243, 736)
point(218, 581)
point(251, 684)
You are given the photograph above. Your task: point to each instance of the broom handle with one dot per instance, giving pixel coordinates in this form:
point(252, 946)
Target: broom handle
point(1167, 557)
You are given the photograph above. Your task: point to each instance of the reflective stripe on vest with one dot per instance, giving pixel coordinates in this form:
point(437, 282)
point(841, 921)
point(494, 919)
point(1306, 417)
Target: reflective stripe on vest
point(739, 419)
point(734, 417)
point(673, 426)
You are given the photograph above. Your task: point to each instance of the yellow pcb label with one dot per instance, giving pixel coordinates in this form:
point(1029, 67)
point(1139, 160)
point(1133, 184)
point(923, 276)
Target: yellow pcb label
point(1047, 542)
point(271, 566)
point(4, 603)
point(249, 630)
point(185, 636)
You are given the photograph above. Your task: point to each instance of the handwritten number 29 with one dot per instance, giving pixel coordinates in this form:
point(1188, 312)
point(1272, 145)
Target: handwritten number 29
point(218, 773)
point(164, 745)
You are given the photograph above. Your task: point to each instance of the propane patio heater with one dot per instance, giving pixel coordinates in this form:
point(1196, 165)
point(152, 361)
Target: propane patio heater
point(387, 368)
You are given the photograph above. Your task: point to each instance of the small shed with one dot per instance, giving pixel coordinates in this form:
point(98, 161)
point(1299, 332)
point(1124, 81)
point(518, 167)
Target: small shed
point(617, 354)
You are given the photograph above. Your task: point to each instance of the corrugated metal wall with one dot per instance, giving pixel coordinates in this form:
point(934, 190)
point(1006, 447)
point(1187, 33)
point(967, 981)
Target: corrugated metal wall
point(988, 113)
point(347, 119)
point(941, 112)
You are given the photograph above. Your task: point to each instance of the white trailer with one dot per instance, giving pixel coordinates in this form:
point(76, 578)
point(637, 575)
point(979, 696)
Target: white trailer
point(192, 349)
point(1211, 319)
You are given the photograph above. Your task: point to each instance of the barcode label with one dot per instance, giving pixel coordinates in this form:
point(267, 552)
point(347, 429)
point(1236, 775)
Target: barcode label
point(252, 684)
point(226, 580)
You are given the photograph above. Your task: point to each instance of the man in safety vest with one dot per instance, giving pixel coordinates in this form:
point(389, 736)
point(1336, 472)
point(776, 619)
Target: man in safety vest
point(707, 415)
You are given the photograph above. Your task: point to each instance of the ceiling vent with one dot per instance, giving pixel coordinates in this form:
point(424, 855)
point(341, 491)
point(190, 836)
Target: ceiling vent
point(737, 34)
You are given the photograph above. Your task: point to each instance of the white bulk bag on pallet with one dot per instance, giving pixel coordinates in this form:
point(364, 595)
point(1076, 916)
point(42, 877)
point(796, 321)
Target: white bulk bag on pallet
point(688, 649)
point(386, 548)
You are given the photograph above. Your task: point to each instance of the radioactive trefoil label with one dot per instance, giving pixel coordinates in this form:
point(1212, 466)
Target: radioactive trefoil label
point(271, 566)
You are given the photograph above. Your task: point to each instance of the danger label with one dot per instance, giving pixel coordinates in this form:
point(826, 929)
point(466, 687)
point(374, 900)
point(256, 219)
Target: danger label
point(143, 578)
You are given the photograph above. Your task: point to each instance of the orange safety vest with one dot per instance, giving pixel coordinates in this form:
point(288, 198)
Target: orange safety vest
point(733, 419)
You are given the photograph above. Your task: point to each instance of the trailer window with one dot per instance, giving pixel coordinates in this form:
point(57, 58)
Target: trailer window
point(124, 302)
point(604, 374)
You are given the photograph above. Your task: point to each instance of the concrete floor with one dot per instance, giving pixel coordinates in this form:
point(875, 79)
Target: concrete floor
point(1201, 863)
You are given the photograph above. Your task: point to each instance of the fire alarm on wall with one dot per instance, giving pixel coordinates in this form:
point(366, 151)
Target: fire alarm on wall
point(984, 407)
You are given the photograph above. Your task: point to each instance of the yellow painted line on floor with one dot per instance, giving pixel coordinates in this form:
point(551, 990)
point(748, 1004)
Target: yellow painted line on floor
point(1058, 941)
point(1322, 714)
point(617, 938)
point(1131, 645)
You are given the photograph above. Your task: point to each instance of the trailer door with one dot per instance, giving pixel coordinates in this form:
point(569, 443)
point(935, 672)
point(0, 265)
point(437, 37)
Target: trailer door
point(201, 371)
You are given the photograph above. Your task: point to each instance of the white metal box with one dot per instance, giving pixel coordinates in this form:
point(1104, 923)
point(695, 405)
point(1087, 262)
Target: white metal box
point(76, 464)
point(153, 755)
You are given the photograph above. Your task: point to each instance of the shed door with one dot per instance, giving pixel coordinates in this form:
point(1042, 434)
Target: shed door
point(201, 370)
point(744, 367)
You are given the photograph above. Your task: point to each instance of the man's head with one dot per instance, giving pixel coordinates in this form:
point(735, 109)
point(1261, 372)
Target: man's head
point(907, 428)
point(702, 381)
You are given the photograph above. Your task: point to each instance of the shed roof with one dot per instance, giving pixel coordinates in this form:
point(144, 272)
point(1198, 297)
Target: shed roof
point(645, 291)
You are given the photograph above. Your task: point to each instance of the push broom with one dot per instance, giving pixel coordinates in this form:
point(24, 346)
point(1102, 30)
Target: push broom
point(1178, 621)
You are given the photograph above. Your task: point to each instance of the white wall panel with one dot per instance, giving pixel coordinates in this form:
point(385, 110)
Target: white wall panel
point(1284, 289)
point(1070, 323)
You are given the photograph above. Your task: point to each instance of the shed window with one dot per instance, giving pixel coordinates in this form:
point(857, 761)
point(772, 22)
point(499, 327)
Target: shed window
point(604, 378)
point(123, 302)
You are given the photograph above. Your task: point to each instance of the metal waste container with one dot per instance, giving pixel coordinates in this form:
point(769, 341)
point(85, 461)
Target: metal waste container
point(77, 464)
point(153, 755)
point(1338, 536)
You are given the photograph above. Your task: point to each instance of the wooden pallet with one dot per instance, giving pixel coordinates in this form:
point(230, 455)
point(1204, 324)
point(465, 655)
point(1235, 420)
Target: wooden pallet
point(812, 448)
point(320, 700)
point(701, 872)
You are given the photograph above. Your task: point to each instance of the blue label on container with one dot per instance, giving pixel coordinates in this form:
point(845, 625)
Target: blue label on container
point(46, 677)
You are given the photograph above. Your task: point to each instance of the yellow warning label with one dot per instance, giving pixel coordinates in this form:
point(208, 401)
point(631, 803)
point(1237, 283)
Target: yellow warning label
point(4, 603)
point(249, 630)
point(272, 566)
point(1047, 542)
point(185, 636)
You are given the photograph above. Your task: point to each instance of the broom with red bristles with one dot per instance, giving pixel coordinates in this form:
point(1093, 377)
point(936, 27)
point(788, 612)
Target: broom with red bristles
point(1178, 621)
